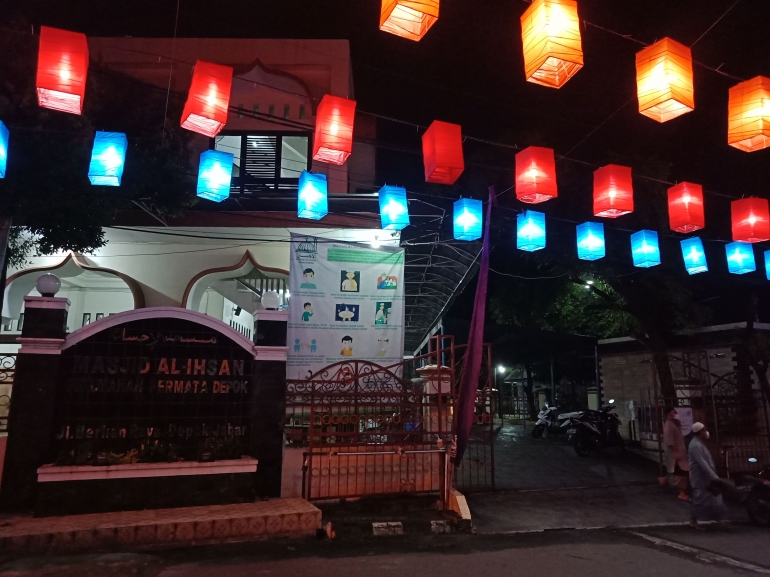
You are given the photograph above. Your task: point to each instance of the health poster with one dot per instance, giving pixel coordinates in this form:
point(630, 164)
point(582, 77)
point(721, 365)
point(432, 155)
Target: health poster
point(347, 302)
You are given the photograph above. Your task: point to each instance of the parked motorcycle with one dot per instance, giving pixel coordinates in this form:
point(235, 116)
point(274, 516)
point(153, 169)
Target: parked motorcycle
point(569, 423)
point(758, 500)
point(597, 429)
point(547, 419)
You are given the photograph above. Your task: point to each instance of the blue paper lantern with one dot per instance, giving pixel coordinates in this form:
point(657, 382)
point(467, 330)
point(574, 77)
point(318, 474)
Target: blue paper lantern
point(645, 249)
point(3, 148)
point(214, 173)
point(530, 230)
point(107, 158)
point(767, 264)
point(394, 210)
point(467, 219)
point(313, 197)
point(590, 241)
point(694, 256)
point(740, 258)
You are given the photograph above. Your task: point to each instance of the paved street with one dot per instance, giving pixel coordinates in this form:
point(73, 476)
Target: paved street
point(522, 462)
point(675, 551)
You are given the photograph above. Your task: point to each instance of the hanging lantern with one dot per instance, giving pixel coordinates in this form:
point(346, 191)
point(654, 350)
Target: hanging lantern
point(645, 249)
point(4, 134)
point(685, 207)
point(214, 173)
point(62, 68)
point(409, 19)
point(107, 158)
point(613, 191)
point(313, 196)
point(664, 80)
point(550, 32)
point(751, 220)
point(467, 219)
point(748, 115)
point(694, 255)
point(740, 258)
point(767, 264)
point(205, 111)
point(536, 175)
point(394, 210)
point(590, 241)
point(442, 152)
point(530, 230)
point(333, 140)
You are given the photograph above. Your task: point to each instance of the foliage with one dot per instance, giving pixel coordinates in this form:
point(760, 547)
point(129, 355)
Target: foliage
point(47, 190)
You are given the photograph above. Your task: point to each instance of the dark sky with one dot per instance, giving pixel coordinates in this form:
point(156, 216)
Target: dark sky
point(468, 69)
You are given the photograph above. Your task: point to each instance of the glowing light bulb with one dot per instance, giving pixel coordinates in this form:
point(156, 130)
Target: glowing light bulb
point(557, 21)
point(64, 74)
point(376, 242)
point(211, 99)
point(686, 198)
point(752, 220)
point(613, 193)
point(466, 219)
point(334, 129)
point(110, 158)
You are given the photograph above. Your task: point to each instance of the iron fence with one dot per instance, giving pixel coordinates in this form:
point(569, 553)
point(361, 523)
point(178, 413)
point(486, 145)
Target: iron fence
point(369, 429)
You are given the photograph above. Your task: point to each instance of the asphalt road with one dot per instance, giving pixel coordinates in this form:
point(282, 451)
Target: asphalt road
point(604, 552)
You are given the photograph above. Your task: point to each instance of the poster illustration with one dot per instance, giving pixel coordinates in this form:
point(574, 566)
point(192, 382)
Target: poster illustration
point(347, 302)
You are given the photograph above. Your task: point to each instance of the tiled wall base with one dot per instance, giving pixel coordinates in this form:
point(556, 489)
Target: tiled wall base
point(152, 528)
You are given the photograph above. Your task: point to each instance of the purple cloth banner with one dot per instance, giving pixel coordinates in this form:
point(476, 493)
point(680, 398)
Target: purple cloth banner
point(469, 381)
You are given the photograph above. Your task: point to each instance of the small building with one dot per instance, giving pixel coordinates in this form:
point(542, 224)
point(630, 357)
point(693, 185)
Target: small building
point(714, 384)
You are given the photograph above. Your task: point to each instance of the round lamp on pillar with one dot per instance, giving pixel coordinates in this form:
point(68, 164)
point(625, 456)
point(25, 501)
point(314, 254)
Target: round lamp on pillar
point(48, 284)
point(271, 300)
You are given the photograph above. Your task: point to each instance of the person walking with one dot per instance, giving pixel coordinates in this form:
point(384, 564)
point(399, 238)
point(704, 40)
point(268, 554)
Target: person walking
point(677, 464)
point(707, 504)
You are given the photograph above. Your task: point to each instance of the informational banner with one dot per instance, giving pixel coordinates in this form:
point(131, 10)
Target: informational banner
point(347, 302)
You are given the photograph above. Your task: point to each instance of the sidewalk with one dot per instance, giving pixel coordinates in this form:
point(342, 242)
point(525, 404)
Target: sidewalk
point(617, 506)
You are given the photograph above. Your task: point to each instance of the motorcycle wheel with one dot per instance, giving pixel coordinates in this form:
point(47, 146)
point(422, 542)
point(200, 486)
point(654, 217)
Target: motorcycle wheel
point(758, 506)
point(583, 445)
point(537, 432)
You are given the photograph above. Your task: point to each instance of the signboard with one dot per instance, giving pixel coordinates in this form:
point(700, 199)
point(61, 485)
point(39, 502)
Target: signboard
point(168, 387)
point(347, 302)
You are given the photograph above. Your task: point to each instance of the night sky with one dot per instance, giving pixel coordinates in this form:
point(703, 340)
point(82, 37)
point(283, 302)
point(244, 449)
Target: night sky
point(469, 70)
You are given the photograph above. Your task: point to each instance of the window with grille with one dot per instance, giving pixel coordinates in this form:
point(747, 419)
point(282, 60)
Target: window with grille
point(268, 161)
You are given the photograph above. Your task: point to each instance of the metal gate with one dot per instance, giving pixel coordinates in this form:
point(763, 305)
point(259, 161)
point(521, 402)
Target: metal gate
point(736, 413)
point(369, 429)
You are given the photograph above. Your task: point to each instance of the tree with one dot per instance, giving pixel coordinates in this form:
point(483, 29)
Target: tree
point(46, 189)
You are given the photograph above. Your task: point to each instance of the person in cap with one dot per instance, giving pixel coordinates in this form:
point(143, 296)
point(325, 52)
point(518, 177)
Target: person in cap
point(706, 505)
point(677, 464)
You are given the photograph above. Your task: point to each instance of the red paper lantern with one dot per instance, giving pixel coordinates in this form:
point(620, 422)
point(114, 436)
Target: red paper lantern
point(409, 19)
point(685, 207)
point(536, 175)
point(62, 68)
point(205, 111)
point(613, 191)
point(333, 140)
point(751, 220)
point(442, 152)
point(748, 115)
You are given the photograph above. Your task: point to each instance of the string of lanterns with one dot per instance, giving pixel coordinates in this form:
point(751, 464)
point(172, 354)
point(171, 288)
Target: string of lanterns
point(552, 54)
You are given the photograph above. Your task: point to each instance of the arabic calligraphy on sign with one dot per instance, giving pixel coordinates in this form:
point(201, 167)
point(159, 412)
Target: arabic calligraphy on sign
point(153, 338)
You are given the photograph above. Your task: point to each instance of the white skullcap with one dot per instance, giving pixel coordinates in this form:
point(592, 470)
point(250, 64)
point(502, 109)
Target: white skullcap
point(697, 427)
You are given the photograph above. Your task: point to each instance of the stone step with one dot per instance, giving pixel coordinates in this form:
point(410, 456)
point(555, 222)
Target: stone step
point(159, 527)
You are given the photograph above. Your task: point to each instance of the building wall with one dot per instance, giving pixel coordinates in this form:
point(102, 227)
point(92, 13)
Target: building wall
point(273, 75)
point(623, 377)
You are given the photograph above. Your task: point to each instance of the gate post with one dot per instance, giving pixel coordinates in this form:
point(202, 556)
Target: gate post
point(37, 377)
point(269, 411)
